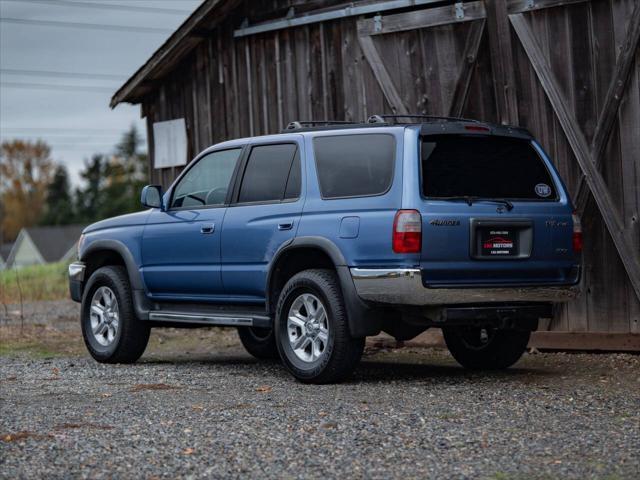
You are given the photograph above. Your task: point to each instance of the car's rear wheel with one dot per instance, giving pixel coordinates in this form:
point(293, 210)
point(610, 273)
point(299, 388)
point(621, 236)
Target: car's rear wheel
point(110, 329)
point(485, 348)
point(312, 331)
point(259, 342)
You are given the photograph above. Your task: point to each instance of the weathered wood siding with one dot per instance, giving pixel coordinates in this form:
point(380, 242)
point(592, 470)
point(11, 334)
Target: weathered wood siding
point(429, 62)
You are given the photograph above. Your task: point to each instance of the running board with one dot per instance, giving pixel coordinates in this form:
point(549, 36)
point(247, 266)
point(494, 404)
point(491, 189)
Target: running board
point(235, 320)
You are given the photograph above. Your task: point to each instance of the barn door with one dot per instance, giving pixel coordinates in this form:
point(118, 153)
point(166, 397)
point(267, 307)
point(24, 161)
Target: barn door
point(431, 61)
point(459, 59)
point(582, 55)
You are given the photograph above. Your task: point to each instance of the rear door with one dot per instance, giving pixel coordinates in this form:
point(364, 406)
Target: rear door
point(263, 216)
point(494, 213)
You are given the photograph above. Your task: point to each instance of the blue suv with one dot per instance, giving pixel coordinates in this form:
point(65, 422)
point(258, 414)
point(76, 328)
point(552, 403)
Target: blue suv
point(313, 239)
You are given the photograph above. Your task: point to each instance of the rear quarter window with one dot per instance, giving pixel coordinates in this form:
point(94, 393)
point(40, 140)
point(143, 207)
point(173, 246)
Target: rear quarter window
point(484, 166)
point(354, 165)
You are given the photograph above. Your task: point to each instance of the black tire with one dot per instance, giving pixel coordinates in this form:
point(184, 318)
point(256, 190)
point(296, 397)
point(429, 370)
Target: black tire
point(341, 353)
point(259, 342)
point(493, 350)
point(132, 335)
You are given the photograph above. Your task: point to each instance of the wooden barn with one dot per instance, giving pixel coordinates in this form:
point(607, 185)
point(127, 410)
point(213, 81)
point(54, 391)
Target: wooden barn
point(568, 70)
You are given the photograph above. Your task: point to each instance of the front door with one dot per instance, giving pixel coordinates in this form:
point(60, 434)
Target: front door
point(181, 246)
point(264, 216)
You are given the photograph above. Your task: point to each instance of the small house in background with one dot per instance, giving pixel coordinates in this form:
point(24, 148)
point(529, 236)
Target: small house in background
point(5, 250)
point(40, 245)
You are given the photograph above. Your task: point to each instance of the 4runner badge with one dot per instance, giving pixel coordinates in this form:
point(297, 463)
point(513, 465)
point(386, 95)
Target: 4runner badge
point(444, 223)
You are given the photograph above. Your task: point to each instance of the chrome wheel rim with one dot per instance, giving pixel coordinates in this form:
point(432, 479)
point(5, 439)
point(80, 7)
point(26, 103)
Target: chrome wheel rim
point(104, 316)
point(308, 327)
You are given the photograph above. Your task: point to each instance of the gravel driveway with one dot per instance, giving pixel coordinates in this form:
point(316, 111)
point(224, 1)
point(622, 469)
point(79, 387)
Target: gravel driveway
point(197, 406)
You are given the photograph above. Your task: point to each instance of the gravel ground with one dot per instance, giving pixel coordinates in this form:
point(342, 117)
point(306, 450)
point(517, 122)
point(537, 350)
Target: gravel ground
point(197, 406)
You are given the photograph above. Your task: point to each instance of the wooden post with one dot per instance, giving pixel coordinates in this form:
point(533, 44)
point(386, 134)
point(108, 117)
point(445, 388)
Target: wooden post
point(504, 82)
point(578, 143)
point(474, 37)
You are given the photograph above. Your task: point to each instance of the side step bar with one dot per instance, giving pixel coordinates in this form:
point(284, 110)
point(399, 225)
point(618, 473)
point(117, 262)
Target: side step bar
point(235, 320)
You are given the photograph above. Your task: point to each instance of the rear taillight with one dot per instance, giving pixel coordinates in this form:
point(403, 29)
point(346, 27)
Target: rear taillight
point(407, 232)
point(577, 233)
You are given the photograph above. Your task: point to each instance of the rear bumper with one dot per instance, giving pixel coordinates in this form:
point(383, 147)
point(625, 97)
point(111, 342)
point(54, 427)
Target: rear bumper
point(76, 280)
point(404, 287)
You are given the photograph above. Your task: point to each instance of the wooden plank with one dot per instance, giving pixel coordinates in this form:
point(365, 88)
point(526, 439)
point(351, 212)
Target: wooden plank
point(323, 63)
point(382, 75)
point(249, 80)
point(502, 61)
point(521, 6)
point(612, 101)
point(279, 101)
point(416, 19)
point(627, 132)
point(542, 340)
point(474, 37)
point(580, 148)
point(591, 341)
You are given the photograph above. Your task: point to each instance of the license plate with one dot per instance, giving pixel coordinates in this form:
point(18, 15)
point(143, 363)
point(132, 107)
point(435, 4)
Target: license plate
point(498, 242)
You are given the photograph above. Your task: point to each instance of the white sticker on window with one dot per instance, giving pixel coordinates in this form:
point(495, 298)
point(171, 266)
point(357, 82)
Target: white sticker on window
point(543, 190)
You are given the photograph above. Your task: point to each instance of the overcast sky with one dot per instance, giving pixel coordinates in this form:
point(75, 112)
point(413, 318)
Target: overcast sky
point(76, 122)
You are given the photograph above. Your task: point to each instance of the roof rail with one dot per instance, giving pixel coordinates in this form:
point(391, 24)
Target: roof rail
point(313, 123)
point(384, 118)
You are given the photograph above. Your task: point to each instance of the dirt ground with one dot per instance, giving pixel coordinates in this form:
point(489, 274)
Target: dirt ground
point(196, 405)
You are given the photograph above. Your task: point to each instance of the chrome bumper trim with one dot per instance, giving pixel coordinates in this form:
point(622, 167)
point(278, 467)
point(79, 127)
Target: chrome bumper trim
point(404, 287)
point(76, 271)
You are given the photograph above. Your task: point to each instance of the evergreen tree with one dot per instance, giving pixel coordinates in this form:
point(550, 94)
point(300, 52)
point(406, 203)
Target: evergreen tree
point(91, 198)
point(59, 206)
point(112, 185)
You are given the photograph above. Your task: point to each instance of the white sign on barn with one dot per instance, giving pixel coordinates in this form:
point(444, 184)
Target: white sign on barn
point(170, 143)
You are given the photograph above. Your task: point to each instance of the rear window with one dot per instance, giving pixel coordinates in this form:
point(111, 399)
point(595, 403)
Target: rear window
point(268, 175)
point(484, 166)
point(354, 165)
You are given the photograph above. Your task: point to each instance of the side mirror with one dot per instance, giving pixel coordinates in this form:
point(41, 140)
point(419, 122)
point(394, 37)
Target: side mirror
point(151, 196)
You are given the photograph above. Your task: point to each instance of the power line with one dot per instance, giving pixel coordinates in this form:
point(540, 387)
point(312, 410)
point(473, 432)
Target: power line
point(44, 86)
point(87, 26)
point(106, 6)
point(63, 136)
point(52, 144)
point(51, 73)
point(62, 129)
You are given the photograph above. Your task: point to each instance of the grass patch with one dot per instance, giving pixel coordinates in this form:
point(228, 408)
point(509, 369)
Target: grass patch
point(34, 283)
point(29, 349)
point(39, 341)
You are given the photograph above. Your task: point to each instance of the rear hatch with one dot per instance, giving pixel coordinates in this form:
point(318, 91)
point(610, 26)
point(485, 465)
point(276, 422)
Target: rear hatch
point(494, 213)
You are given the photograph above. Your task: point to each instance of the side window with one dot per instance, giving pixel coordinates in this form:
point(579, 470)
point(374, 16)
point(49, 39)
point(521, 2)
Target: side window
point(207, 182)
point(354, 165)
point(267, 173)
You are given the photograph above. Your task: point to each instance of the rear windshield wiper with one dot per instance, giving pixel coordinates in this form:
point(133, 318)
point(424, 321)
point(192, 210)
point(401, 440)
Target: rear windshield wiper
point(471, 198)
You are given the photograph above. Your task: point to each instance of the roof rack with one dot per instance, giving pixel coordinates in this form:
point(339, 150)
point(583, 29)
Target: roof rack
point(384, 118)
point(315, 123)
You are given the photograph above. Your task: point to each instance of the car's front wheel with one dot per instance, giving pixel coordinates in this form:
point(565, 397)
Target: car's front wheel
point(485, 348)
point(312, 331)
point(110, 329)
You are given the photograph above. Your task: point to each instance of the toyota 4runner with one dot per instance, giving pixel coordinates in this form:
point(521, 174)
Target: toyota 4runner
point(313, 239)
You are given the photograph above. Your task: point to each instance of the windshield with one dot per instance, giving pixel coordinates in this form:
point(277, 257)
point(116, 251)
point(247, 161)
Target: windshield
point(483, 166)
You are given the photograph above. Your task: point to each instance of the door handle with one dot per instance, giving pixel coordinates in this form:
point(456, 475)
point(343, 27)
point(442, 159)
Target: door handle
point(207, 229)
point(285, 226)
